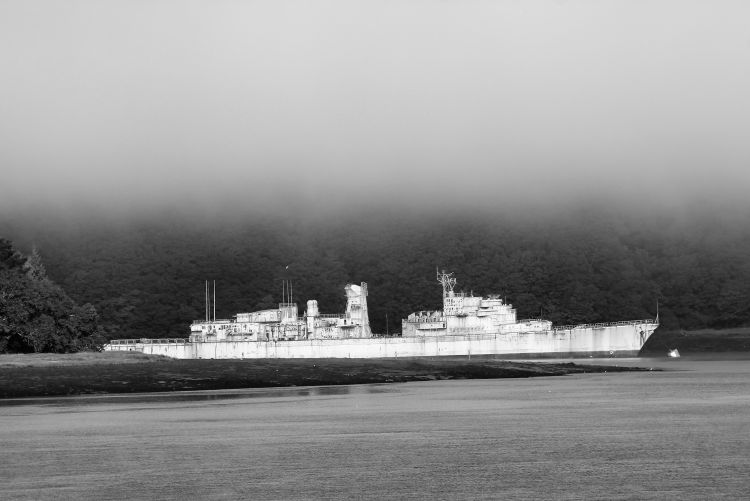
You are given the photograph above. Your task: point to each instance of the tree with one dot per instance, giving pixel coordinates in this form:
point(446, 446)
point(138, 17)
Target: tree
point(34, 266)
point(35, 313)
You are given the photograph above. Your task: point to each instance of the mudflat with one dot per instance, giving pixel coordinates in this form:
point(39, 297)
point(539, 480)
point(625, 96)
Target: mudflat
point(128, 372)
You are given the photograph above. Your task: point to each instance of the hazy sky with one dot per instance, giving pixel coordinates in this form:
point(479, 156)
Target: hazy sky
point(161, 102)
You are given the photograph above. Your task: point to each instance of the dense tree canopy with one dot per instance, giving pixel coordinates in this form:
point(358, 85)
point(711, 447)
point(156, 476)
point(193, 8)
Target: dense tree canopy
point(146, 279)
point(35, 314)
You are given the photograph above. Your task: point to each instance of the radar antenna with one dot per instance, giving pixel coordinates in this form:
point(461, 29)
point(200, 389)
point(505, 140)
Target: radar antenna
point(447, 281)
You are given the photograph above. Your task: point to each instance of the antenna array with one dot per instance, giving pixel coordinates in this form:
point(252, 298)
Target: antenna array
point(448, 281)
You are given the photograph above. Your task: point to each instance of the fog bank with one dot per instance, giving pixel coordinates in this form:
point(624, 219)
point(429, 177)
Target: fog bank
point(297, 107)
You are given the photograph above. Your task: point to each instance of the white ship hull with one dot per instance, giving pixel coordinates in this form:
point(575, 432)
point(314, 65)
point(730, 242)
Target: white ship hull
point(466, 326)
point(623, 339)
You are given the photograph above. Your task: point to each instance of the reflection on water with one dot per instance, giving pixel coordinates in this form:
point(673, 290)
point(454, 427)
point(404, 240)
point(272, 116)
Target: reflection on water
point(682, 433)
point(195, 396)
point(184, 396)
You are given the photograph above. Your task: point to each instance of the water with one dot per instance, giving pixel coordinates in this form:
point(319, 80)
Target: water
point(680, 434)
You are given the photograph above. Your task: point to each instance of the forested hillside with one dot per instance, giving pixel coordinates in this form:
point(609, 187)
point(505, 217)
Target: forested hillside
point(146, 278)
point(35, 313)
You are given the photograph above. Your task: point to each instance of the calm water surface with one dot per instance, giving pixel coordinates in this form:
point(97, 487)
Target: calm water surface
point(679, 434)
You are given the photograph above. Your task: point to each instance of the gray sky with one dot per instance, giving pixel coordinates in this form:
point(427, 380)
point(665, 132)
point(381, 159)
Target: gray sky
point(161, 102)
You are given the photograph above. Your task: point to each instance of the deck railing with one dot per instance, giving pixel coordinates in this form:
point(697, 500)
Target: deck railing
point(120, 342)
point(459, 332)
point(605, 324)
point(421, 320)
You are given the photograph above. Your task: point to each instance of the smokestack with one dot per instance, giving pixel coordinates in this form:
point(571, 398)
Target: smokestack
point(363, 305)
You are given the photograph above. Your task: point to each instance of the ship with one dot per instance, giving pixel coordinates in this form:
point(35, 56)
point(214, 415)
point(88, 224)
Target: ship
point(466, 325)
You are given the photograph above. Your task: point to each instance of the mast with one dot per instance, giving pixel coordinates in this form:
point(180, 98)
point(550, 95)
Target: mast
point(657, 311)
point(448, 281)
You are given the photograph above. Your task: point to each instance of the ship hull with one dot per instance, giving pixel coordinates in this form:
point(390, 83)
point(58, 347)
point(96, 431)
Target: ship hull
point(590, 341)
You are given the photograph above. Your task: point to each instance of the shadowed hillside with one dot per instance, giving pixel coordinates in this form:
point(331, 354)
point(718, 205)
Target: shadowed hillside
point(146, 278)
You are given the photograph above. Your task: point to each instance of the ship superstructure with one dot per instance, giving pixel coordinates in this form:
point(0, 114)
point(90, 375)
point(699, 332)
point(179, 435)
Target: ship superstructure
point(284, 323)
point(464, 313)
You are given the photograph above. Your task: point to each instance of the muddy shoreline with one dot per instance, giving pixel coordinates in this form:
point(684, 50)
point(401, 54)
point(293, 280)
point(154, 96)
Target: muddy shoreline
point(105, 373)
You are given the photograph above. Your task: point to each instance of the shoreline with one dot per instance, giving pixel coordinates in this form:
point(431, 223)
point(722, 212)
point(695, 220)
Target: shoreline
point(49, 375)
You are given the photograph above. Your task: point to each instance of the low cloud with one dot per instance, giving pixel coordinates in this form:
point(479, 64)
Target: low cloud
point(295, 106)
